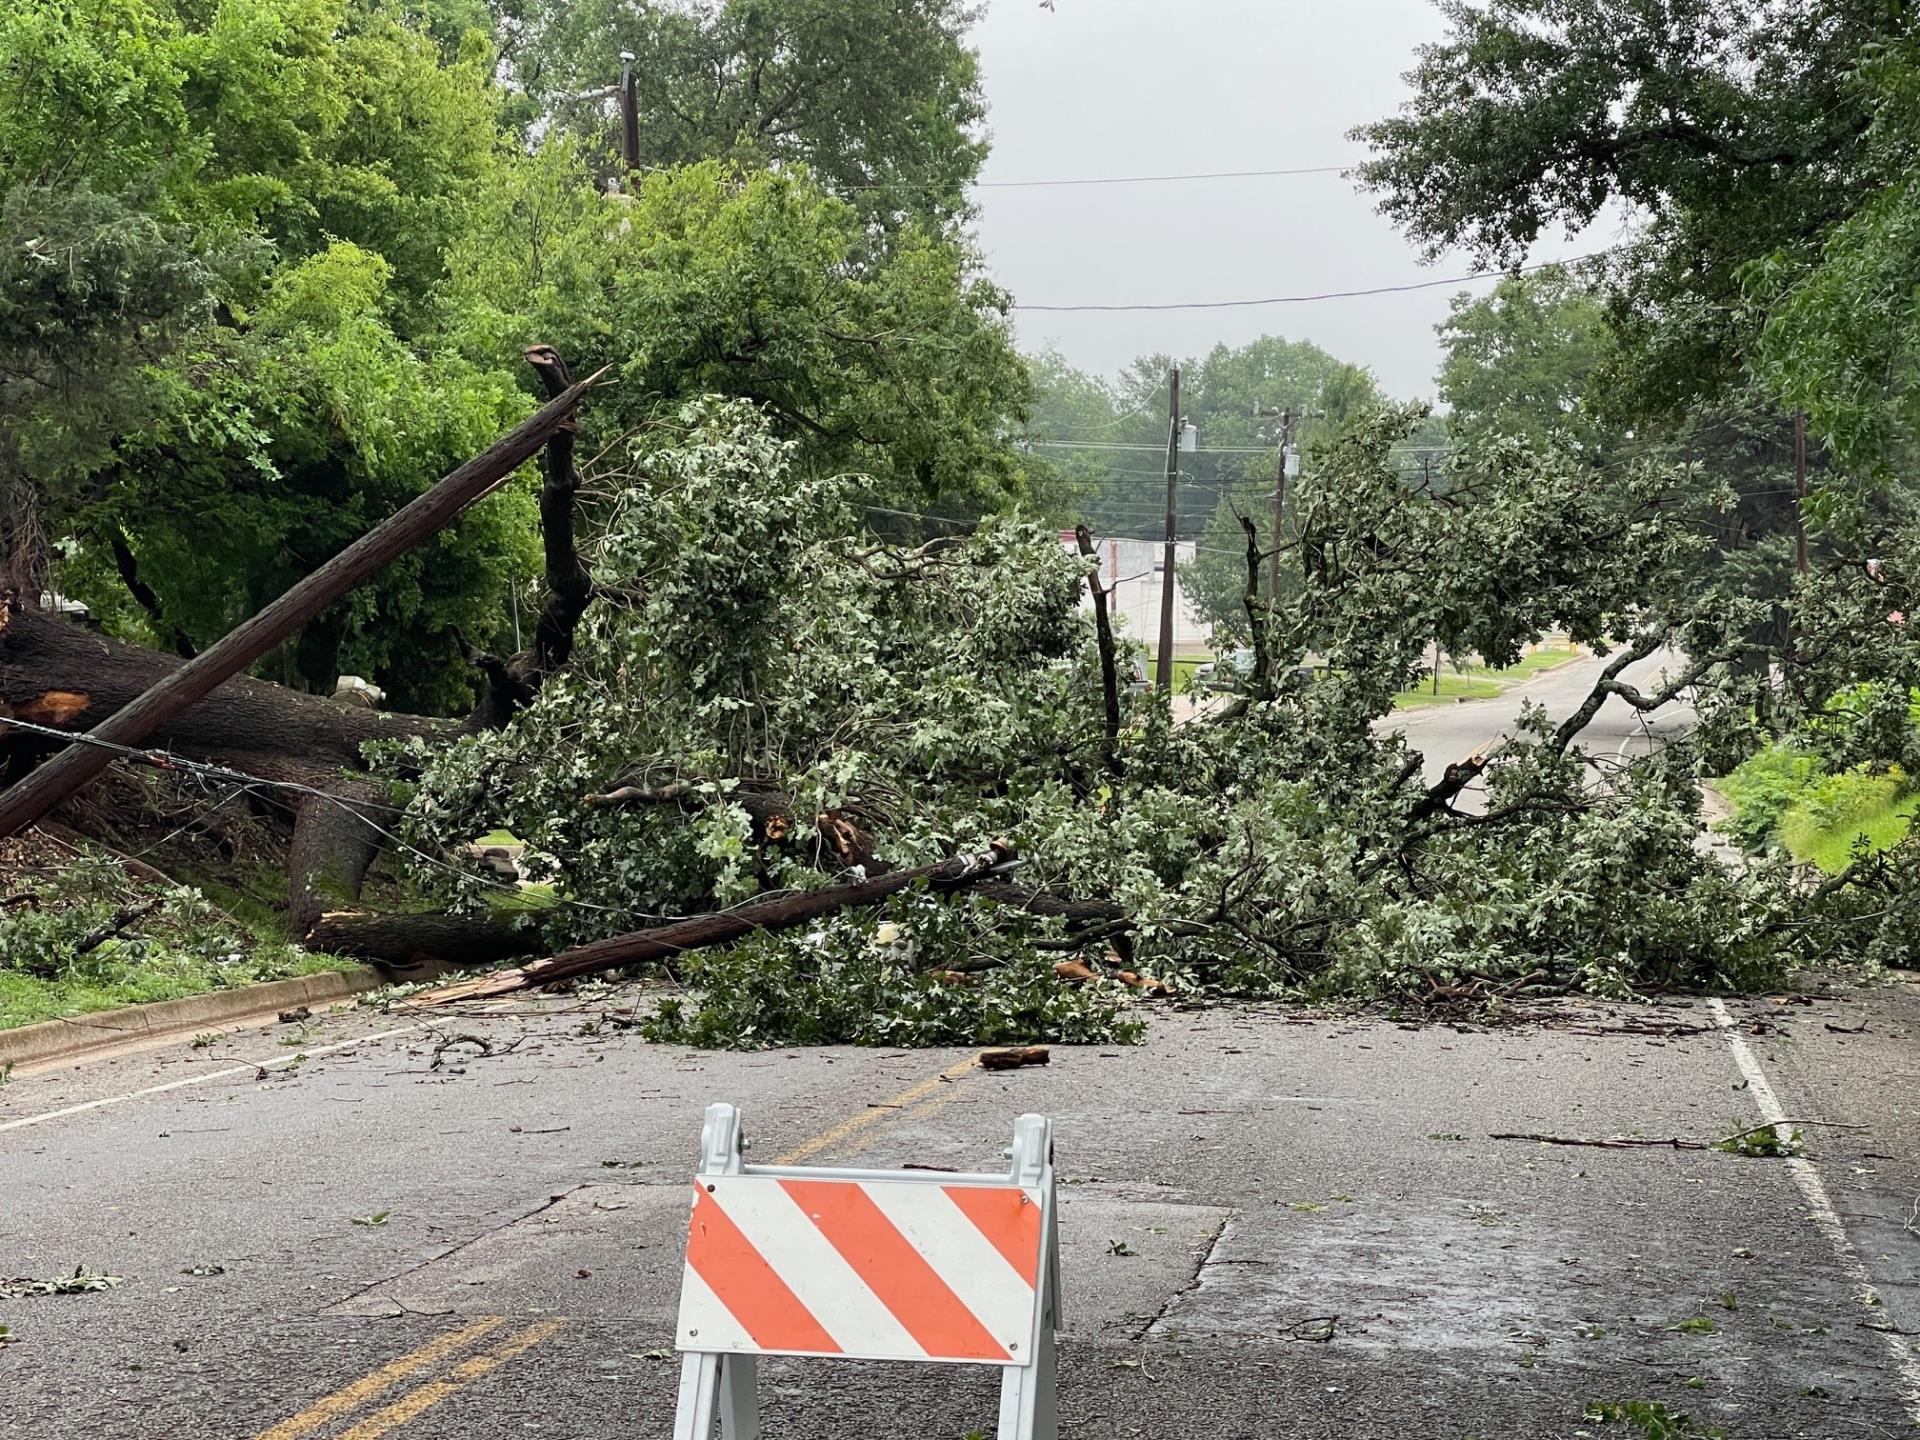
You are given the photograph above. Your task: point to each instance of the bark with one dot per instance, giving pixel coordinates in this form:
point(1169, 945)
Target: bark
point(179, 691)
point(1261, 682)
point(569, 586)
point(667, 941)
point(511, 683)
point(409, 942)
point(1109, 668)
point(335, 842)
point(62, 675)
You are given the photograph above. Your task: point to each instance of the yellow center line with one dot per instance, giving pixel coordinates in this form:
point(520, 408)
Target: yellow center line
point(409, 1406)
point(325, 1411)
point(416, 1402)
point(885, 1110)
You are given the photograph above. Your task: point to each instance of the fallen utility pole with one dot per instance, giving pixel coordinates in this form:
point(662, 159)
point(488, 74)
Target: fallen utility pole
point(701, 931)
point(69, 772)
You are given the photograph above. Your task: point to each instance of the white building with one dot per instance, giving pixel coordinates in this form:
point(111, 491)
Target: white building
point(1132, 572)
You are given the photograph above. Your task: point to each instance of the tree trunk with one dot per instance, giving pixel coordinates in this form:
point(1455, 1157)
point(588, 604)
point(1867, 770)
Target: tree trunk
point(414, 941)
point(702, 931)
point(65, 676)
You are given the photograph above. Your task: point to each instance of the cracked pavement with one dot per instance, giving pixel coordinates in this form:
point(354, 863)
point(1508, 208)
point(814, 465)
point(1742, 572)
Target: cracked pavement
point(1273, 1222)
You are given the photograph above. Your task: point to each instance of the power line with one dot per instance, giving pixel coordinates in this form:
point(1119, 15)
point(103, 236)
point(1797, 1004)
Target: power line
point(1160, 179)
point(1075, 181)
point(1329, 294)
point(165, 760)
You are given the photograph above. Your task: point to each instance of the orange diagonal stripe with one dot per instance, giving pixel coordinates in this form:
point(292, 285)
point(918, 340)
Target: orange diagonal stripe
point(894, 1271)
point(1008, 1219)
point(745, 1283)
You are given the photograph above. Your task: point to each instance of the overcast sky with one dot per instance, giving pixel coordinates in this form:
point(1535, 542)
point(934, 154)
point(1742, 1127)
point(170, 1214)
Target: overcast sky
point(1102, 88)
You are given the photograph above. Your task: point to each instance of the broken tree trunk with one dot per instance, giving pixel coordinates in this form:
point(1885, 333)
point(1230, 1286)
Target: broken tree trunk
point(1109, 669)
point(703, 931)
point(183, 688)
point(62, 675)
point(404, 942)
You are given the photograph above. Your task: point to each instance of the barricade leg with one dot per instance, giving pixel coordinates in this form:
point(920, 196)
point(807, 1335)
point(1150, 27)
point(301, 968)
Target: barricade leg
point(723, 1388)
point(699, 1397)
point(1027, 1408)
point(740, 1398)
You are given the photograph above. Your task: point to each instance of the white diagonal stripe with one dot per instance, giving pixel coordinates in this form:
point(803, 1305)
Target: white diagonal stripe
point(781, 1231)
point(974, 1269)
point(706, 1324)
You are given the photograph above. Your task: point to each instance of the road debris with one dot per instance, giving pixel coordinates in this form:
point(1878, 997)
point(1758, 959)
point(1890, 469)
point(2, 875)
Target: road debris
point(1016, 1058)
point(82, 1282)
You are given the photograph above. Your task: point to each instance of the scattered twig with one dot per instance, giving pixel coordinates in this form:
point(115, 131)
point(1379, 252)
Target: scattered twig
point(115, 927)
point(1618, 1142)
point(1628, 1142)
point(1316, 1330)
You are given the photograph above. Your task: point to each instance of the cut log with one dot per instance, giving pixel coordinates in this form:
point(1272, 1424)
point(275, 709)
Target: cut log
point(1015, 1059)
point(59, 674)
point(703, 931)
point(410, 942)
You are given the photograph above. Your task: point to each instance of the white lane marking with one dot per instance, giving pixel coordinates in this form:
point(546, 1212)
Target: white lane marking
point(276, 1063)
point(1813, 1189)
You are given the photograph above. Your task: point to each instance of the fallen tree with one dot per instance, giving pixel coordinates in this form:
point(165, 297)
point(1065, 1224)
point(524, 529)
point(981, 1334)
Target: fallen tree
point(760, 699)
point(668, 942)
point(61, 676)
point(186, 685)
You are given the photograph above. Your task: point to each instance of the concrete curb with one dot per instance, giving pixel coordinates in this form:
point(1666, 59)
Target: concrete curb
point(80, 1035)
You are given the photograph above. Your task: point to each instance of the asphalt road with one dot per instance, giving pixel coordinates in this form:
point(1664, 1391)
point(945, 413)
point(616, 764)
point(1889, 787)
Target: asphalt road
point(1243, 1173)
point(1448, 732)
point(1274, 1223)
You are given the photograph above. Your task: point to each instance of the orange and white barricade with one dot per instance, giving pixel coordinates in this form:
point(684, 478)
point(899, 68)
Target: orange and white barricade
point(867, 1265)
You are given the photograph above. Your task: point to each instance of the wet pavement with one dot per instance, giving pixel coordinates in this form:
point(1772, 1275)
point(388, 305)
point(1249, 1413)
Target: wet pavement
point(1274, 1223)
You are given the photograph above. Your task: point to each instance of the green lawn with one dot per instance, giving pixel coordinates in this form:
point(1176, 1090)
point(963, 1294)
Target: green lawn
point(1783, 794)
point(25, 999)
point(1827, 841)
point(1476, 682)
point(1451, 688)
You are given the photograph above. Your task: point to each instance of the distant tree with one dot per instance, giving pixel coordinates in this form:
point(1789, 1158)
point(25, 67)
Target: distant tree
point(1735, 130)
point(94, 288)
point(880, 99)
point(1525, 360)
point(711, 279)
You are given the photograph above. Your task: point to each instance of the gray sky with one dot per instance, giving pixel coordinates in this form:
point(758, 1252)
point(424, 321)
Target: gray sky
point(1140, 87)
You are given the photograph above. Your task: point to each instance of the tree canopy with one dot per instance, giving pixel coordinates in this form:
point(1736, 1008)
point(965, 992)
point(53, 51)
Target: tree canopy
point(295, 294)
point(879, 99)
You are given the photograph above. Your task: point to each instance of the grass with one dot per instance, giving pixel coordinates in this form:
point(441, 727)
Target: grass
point(1476, 682)
point(78, 935)
point(1783, 794)
point(25, 999)
point(1450, 689)
point(1883, 817)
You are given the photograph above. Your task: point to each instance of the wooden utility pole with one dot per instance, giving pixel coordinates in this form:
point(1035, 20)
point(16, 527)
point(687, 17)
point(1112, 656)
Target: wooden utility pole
point(68, 772)
point(1279, 505)
point(1163, 677)
point(1800, 490)
point(629, 114)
